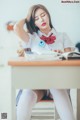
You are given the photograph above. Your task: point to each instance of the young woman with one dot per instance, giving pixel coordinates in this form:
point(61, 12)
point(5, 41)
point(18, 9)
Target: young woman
point(41, 36)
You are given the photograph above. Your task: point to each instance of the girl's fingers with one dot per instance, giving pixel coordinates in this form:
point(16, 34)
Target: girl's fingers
point(59, 51)
point(20, 52)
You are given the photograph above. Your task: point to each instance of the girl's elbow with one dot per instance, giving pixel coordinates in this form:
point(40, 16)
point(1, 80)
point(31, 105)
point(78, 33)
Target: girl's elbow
point(16, 28)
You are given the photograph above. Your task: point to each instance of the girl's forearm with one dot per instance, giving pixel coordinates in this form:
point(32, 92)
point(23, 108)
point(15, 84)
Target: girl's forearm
point(19, 30)
point(19, 25)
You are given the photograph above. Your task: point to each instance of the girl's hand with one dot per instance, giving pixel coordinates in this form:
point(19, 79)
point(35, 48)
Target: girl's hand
point(21, 52)
point(58, 51)
point(68, 50)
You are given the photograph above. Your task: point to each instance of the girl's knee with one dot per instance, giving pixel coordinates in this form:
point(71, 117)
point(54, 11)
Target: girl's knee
point(57, 91)
point(29, 93)
point(28, 96)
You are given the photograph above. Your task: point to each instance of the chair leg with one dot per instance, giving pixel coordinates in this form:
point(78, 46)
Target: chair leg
point(56, 115)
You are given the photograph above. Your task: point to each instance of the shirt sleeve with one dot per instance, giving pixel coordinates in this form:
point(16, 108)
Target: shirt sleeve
point(67, 42)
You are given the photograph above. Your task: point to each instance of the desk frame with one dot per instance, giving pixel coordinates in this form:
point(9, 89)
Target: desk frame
point(61, 74)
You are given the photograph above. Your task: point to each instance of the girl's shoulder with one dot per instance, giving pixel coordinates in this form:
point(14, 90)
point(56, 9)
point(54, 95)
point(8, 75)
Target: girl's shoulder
point(57, 33)
point(33, 36)
point(62, 34)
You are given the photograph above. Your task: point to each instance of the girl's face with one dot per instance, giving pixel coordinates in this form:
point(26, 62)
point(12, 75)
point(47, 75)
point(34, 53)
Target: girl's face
point(41, 19)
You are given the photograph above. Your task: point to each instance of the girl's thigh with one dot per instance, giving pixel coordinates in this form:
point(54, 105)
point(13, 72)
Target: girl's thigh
point(40, 94)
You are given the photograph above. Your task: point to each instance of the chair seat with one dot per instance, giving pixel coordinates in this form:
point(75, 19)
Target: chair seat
point(45, 97)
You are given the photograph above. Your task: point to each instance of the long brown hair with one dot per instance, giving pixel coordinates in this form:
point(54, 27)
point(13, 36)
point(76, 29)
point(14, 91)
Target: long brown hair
point(30, 20)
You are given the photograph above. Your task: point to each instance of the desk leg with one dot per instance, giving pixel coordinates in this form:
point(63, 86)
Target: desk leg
point(13, 104)
point(78, 104)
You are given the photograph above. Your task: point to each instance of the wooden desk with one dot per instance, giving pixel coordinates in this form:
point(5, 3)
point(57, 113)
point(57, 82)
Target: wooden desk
point(43, 75)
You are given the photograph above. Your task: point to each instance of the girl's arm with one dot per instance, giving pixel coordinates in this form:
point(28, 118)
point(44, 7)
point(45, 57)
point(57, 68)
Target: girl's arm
point(19, 29)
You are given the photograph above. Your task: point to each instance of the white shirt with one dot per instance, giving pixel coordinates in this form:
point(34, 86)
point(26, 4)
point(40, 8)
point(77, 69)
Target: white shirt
point(62, 41)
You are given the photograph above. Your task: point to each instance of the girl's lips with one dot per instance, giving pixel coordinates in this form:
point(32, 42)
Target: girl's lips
point(43, 24)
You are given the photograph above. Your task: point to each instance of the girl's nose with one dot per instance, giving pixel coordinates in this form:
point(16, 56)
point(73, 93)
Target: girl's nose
point(41, 19)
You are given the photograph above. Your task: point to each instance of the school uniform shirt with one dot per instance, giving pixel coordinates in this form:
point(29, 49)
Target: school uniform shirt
point(39, 46)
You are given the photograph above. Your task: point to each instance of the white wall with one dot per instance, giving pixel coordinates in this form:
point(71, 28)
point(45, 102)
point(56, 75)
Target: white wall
point(65, 18)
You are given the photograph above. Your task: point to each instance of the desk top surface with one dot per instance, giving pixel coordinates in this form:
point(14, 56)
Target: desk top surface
point(24, 62)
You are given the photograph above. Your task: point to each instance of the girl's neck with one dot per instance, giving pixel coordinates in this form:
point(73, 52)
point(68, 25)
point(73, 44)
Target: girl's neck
point(46, 31)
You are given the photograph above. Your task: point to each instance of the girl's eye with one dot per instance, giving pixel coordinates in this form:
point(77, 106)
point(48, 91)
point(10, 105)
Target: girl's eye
point(42, 15)
point(36, 18)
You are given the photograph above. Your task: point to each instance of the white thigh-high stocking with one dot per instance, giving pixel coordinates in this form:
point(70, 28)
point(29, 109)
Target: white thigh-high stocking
point(25, 104)
point(63, 104)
